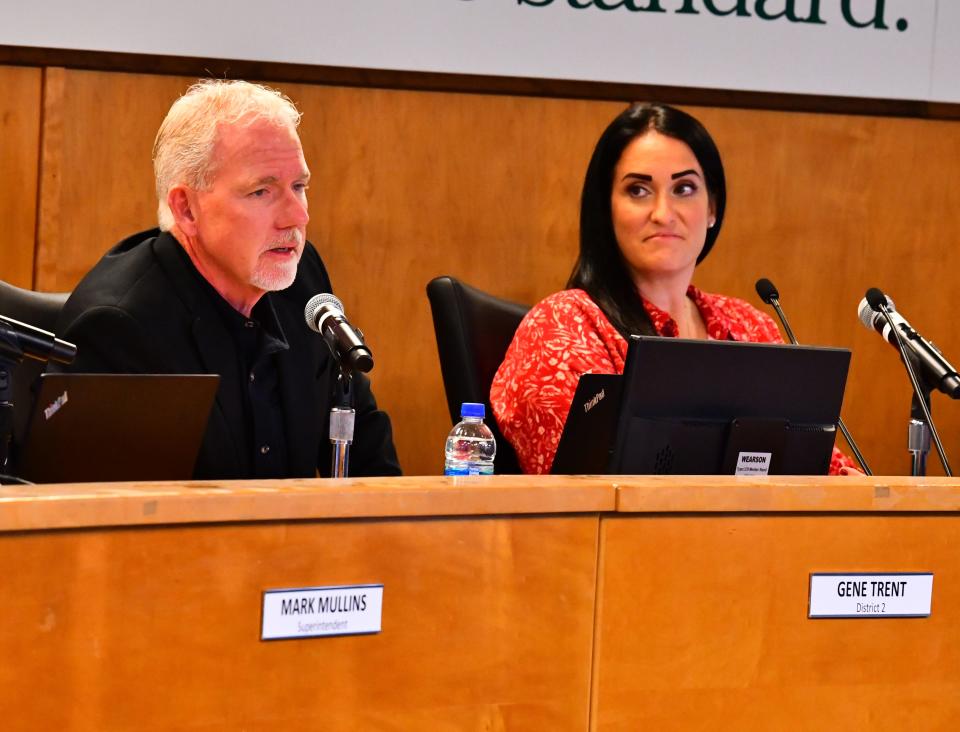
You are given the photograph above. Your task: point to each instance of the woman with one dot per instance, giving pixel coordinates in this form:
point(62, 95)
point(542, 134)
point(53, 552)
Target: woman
point(652, 207)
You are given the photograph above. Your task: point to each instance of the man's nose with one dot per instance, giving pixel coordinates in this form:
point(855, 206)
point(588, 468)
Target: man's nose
point(294, 211)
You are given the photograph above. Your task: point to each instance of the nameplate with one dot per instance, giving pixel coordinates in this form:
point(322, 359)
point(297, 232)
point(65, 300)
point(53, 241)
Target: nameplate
point(312, 612)
point(884, 595)
point(753, 463)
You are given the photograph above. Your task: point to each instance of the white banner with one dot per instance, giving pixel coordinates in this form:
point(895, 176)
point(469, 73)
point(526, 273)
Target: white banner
point(893, 49)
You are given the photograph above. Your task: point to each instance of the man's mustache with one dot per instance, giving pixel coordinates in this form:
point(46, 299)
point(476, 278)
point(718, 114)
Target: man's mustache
point(290, 237)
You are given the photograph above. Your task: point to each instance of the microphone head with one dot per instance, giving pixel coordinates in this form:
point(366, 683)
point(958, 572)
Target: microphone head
point(766, 290)
point(313, 307)
point(868, 314)
point(878, 300)
point(865, 313)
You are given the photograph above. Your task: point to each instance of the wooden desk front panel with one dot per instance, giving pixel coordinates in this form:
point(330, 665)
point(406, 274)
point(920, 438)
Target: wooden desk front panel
point(703, 625)
point(487, 625)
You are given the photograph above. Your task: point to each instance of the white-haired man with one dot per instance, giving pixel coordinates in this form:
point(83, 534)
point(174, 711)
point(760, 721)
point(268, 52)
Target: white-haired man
point(221, 288)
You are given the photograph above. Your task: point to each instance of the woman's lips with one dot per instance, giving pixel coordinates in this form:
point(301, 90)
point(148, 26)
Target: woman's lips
point(662, 235)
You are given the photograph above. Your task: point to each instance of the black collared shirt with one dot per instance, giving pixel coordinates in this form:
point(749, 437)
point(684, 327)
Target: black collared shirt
point(258, 339)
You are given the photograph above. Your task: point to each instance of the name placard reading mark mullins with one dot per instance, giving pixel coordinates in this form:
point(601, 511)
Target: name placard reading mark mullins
point(312, 612)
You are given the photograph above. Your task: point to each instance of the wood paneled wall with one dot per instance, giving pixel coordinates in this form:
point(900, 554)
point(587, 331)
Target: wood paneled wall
point(20, 92)
point(410, 185)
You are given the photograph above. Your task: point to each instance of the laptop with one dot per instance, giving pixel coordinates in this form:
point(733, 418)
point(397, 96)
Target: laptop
point(591, 427)
point(112, 427)
point(687, 407)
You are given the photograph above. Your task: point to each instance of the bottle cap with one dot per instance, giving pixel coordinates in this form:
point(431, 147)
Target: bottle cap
point(472, 409)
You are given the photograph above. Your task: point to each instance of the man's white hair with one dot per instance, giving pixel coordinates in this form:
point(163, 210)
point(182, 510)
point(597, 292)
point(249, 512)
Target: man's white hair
point(183, 150)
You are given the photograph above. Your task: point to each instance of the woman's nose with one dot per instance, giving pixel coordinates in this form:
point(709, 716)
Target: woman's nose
point(662, 208)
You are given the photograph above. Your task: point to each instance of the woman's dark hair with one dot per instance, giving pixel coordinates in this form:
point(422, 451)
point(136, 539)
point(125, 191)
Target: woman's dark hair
point(600, 269)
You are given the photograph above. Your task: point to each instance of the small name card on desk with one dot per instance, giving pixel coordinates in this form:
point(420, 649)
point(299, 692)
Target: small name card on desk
point(311, 612)
point(884, 595)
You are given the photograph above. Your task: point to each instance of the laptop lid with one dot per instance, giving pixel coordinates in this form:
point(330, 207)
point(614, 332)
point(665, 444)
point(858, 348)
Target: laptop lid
point(591, 426)
point(707, 407)
point(714, 407)
point(111, 427)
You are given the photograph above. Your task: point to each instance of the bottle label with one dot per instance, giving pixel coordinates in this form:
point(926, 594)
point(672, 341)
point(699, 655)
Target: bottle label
point(469, 470)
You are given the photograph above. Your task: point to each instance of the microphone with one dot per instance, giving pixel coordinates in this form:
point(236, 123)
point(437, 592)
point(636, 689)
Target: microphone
point(937, 370)
point(767, 290)
point(883, 306)
point(37, 343)
point(769, 294)
point(324, 315)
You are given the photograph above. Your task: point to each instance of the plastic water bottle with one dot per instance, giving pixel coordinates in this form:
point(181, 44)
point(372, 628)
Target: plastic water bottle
point(470, 445)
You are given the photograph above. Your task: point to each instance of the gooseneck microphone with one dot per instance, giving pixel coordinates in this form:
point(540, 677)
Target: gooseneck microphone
point(324, 315)
point(37, 343)
point(883, 307)
point(937, 371)
point(769, 294)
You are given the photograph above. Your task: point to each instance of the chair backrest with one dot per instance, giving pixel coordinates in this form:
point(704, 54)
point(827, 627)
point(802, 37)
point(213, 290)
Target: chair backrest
point(41, 310)
point(474, 330)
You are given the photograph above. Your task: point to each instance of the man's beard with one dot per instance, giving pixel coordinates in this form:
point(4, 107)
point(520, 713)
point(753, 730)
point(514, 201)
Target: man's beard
point(274, 276)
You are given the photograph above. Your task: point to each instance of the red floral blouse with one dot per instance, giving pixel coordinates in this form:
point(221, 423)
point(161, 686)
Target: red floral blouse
point(567, 335)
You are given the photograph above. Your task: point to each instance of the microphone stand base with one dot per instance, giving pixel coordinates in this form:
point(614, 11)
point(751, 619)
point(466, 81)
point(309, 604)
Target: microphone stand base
point(918, 436)
point(342, 419)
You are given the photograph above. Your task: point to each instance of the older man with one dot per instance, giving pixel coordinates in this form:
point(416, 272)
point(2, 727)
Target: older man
point(221, 287)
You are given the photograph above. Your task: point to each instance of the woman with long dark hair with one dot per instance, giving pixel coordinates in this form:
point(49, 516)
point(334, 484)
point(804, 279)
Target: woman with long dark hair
point(652, 207)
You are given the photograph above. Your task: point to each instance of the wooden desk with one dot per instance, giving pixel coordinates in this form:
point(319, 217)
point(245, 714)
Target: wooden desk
point(510, 603)
point(703, 606)
point(137, 606)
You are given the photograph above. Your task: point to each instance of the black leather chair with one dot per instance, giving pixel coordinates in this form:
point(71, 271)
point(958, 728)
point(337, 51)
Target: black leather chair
point(473, 332)
point(41, 310)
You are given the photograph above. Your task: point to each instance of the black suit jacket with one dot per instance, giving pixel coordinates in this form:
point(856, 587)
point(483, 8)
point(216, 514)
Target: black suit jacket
point(144, 309)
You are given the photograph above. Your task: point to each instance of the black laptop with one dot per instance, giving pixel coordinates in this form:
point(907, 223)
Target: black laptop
point(696, 407)
point(111, 427)
point(590, 430)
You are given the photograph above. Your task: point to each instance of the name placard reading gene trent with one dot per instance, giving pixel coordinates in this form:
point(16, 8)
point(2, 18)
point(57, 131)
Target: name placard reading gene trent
point(883, 595)
point(311, 612)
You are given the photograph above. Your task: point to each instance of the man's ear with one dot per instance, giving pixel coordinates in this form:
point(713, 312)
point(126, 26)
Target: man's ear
point(182, 202)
